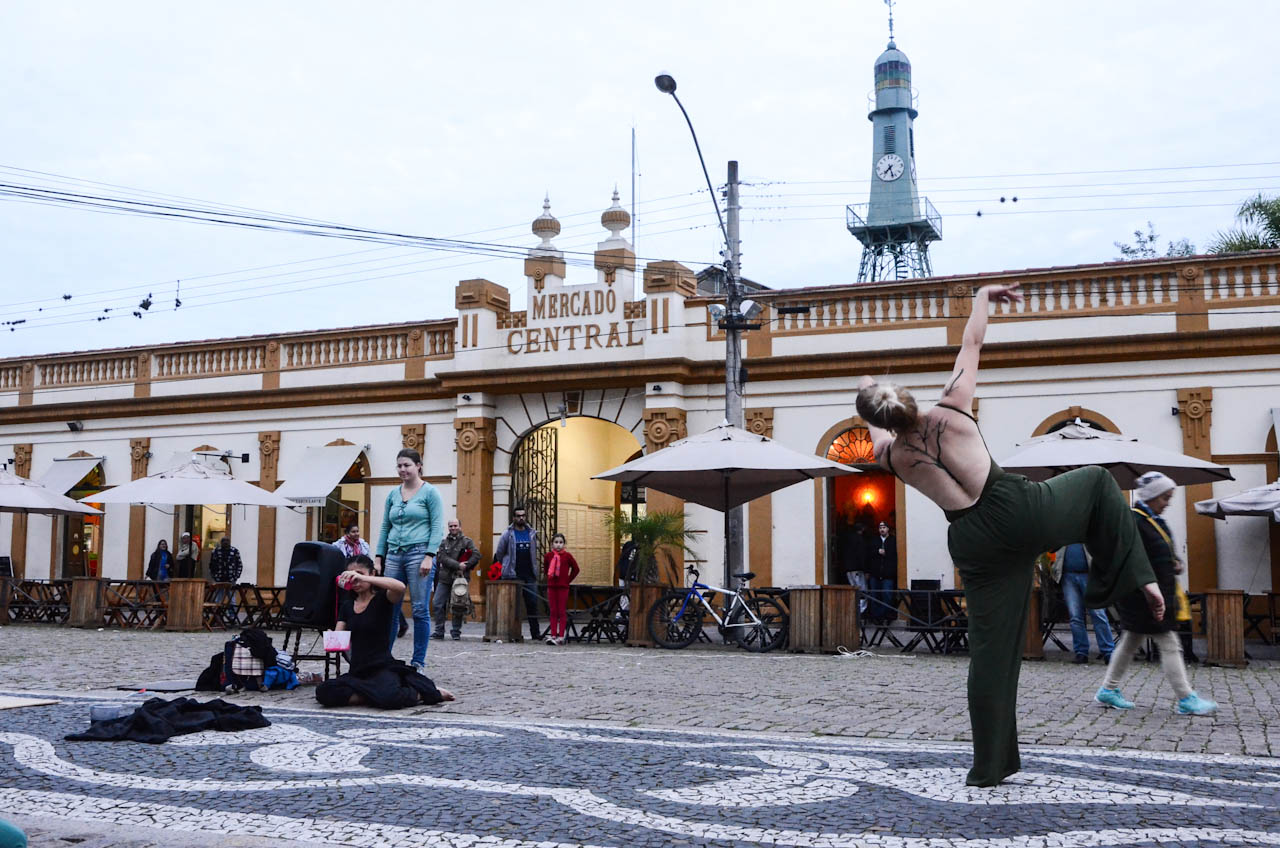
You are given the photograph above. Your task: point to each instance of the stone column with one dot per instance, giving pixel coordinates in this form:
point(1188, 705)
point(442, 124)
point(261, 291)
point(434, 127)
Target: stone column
point(139, 457)
point(662, 426)
point(268, 457)
point(18, 547)
point(760, 511)
point(475, 440)
point(1195, 409)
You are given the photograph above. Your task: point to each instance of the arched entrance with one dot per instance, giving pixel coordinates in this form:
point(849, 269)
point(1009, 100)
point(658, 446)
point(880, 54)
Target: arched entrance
point(551, 470)
point(856, 503)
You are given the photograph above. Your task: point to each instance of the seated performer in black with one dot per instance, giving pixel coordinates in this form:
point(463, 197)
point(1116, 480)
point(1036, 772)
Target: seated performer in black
point(375, 678)
point(999, 524)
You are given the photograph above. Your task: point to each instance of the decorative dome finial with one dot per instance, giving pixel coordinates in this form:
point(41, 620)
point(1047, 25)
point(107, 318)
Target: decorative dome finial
point(545, 226)
point(615, 219)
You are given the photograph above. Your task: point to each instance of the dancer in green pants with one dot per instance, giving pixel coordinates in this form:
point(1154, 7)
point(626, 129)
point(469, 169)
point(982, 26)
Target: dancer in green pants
point(999, 524)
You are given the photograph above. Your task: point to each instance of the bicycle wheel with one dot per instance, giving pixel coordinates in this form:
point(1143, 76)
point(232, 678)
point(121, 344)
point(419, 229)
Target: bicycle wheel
point(668, 626)
point(768, 634)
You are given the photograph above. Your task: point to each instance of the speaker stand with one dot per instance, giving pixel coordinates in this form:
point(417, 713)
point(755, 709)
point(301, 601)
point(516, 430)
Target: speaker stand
point(332, 659)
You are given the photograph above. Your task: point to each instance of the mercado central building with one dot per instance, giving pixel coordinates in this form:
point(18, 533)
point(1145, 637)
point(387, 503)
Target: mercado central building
point(523, 402)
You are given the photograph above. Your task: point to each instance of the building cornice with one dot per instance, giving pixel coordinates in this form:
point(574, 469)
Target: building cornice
point(1161, 347)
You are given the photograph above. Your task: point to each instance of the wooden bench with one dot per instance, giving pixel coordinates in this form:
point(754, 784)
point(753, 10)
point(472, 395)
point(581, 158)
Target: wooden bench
point(596, 614)
point(47, 601)
point(219, 611)
point(134, 603)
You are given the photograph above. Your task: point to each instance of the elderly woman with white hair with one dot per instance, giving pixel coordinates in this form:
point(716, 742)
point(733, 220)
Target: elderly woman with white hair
point(1154, 492)
point(999, 523)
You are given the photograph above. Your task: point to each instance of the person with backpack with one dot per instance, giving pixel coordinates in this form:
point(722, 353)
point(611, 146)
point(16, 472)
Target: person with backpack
point(1154, 492)
point(454, 560)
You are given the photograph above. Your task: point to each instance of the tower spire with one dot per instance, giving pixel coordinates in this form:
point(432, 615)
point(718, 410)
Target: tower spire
point(890, 4)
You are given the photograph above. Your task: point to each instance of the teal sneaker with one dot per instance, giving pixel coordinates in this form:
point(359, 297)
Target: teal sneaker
point(1193, 704)
point(1113, 698)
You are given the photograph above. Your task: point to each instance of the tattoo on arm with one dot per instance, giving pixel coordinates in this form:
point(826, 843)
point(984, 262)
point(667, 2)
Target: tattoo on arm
point(954, 381)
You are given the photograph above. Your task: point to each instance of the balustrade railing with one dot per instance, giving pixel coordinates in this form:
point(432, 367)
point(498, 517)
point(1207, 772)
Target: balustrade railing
point(87, 371)
point(345, 350)
point(210, 362)
point(1240, 281)
point(11, 378)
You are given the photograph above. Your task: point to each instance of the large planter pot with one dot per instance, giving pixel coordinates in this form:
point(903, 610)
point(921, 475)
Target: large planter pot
point(823, 619)
point(806, 620)
point(502, 613)
point(640, 599)
point(186, 604)
point(1224, 626)
point(840, 619)
point(86, 602)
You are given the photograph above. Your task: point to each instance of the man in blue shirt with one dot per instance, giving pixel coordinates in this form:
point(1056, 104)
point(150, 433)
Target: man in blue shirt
point(1075, 574)
point(518, 552)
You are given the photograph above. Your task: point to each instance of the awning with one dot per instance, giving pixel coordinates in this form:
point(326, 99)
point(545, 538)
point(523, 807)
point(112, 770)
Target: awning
point(65, 473)
point(309, 481)
point(179, 458)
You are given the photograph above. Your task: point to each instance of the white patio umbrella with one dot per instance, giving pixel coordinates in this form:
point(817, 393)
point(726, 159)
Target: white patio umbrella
point(723, 468)
point(1260, 500)
point(1077, 445)
point(18, 494)
point(190, 483)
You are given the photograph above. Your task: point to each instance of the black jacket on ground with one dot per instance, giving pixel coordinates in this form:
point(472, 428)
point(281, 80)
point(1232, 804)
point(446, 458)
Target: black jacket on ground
point(1135, 615)
point(157, 720)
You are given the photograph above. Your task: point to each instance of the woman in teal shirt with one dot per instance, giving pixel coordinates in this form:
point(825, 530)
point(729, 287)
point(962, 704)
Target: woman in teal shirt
point(412, 527)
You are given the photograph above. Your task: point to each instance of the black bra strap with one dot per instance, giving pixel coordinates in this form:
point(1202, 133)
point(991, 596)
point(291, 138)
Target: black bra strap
point(968, 415)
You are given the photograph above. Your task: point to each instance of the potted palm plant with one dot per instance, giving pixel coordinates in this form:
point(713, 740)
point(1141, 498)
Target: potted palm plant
point(655, 535)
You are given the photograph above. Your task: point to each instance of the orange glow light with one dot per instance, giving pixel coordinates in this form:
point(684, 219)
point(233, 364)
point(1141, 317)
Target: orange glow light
point(868, 496)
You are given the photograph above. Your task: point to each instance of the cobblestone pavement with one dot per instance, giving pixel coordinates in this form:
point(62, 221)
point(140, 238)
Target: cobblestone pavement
point(605, 745)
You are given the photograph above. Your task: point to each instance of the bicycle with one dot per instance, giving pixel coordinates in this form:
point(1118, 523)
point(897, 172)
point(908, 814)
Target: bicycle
point(756, 622)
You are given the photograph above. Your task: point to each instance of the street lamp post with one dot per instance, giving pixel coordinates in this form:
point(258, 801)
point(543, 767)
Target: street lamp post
point(733, 322)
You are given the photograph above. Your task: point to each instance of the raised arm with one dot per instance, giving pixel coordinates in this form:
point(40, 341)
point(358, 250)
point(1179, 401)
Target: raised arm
point(393, 587)
point(963, 381)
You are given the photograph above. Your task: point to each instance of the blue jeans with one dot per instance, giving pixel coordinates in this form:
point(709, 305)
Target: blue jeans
point(1073, 584)
point(881, 592)
point(402, 564)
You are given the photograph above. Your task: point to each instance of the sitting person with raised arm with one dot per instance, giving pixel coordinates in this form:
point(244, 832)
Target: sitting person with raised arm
point(375, 677)
point(999, 524)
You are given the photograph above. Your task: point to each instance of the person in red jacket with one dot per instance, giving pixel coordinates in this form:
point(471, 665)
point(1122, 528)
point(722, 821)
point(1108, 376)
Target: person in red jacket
point(560, 569)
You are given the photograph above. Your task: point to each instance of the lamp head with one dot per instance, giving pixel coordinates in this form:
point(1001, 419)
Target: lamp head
point(750, 309)
point(665, 83)
point(717, 311)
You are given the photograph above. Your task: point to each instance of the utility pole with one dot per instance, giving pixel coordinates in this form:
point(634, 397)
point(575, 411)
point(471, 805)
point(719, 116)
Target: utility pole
point(733, 323)
point(733, 376)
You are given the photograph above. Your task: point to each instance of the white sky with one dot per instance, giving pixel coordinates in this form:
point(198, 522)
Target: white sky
point(449, 119)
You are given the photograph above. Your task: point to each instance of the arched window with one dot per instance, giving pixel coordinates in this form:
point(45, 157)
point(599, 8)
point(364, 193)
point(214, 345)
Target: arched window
point(853, 447)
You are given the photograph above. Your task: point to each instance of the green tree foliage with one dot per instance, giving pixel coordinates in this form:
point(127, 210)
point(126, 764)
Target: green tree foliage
point(1147, 246)
point(652, 533)
point(1259, 229)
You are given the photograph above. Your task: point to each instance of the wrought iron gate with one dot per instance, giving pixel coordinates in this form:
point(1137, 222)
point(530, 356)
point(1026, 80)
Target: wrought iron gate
point(535, 483)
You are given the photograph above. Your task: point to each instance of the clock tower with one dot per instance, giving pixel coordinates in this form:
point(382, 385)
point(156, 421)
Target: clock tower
point(896, 225)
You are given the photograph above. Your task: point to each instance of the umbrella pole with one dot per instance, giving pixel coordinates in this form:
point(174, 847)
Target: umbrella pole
point(728, 578)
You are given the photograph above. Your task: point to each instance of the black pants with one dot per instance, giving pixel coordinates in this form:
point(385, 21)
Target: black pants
point(529, 588)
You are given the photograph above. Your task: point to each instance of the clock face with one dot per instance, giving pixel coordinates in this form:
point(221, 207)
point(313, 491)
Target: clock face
point(890, 167)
